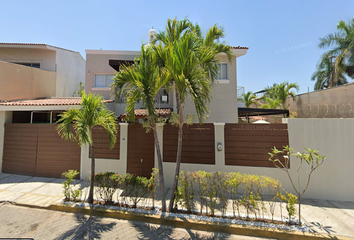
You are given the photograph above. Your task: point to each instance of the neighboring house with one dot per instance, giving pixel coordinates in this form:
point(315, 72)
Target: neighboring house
point(102, 65)
point(37, 82)
point(30, 71)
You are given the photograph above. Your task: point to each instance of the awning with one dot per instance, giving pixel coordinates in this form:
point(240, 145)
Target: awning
point(244, 112)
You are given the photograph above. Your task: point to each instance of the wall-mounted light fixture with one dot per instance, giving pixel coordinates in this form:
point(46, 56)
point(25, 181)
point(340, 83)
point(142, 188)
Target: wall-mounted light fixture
point(219, 146)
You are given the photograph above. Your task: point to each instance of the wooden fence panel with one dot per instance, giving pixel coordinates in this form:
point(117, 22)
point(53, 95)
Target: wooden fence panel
point(101, 144)
point(20, 149)
point(38, 150)
point(198, 145)
point(54, 154)
point(249, 144)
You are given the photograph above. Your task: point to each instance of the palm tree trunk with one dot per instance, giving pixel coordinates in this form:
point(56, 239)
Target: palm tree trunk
point(178, 158)
point(159, 158)
point(90, 197)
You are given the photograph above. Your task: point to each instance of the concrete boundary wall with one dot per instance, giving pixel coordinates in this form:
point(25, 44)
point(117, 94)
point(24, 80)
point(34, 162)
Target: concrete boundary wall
point(331, 181)
point(334, 138)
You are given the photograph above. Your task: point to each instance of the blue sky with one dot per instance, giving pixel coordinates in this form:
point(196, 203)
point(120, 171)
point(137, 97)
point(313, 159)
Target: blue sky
point(282, 36)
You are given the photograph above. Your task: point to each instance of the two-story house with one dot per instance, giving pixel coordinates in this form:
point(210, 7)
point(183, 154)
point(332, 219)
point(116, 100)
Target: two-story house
point(102, 65)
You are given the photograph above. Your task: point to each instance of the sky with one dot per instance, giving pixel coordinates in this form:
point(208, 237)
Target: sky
point(282, 36)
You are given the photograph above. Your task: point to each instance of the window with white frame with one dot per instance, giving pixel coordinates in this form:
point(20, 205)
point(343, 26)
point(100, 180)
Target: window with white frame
point(222, 73)
point(103, 80)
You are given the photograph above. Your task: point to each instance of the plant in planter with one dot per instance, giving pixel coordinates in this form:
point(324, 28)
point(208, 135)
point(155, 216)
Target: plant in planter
point(68, 191)
point(311, 157)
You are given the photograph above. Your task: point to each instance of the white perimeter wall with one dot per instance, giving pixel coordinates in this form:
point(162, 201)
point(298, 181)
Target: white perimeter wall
point(333, 180)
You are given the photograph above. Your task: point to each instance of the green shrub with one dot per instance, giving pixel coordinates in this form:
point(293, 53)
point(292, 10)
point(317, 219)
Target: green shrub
point(290, 201)
point(106, 185)
point(68, 191)
point(136, 187)
point(185, 191)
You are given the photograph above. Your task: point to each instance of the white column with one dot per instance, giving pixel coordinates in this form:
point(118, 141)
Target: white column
point(123, 150)
point(159, 130)
point(219, 140)
point(85, 163)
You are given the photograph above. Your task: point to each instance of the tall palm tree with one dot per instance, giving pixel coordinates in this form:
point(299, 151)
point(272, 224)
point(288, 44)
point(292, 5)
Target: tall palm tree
point(92, 113)
point(324, 75)
point(249, 98)
point(191, 60)
point(343, 50)
point(142, 81)
point(281, 92)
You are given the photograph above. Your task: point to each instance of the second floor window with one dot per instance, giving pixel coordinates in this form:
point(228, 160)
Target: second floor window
point(103, 80)
point(222, 74)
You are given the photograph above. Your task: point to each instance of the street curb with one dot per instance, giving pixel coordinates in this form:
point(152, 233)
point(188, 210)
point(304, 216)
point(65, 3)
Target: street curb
point(192, 224)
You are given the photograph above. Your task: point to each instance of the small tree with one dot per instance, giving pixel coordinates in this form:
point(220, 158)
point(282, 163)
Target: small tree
point(92, 113)
point(311, 157)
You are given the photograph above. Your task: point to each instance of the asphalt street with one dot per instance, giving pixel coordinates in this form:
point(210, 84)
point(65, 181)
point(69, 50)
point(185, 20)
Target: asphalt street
point(16, 222)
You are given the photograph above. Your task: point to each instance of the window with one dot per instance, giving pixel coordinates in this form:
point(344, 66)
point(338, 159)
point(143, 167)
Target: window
point(29, 64)
point(103, 80)
point(222, 74)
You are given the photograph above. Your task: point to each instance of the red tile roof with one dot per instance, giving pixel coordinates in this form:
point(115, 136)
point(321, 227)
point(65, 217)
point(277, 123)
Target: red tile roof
point(46, 102)
point(142, 113)
point(238, 47)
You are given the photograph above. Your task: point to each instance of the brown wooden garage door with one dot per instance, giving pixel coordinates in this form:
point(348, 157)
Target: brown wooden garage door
point(37, 150)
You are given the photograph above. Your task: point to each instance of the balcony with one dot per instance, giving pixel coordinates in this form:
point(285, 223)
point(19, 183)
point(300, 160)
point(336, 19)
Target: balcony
point(22, 82)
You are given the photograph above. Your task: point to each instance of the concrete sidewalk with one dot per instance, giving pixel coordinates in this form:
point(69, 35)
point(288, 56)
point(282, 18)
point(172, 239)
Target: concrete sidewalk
point(329, 217)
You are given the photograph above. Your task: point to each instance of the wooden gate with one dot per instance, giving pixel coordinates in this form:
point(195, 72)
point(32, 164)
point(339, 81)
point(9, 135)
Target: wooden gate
point(38, 150)
point(249, 144)
point(140, 151)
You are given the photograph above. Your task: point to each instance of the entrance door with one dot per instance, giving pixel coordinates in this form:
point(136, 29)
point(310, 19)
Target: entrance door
point(140, 151)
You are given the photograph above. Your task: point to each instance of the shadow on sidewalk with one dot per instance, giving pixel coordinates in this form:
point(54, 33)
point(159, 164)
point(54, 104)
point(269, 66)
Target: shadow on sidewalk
point(89, 227)
point(153, 231)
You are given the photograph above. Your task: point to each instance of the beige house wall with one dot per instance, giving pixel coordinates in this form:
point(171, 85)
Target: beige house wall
point(223, 105)
point(337, 102)
point(21, 82)
point(97, 62)
point(70, 72)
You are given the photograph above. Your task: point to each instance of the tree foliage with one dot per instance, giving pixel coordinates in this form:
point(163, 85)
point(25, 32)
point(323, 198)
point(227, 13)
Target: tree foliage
point(342, 50)
point(92, 112)
point(190, 58)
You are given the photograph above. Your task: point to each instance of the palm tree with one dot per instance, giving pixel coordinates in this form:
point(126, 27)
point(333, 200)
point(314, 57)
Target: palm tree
point(324, 75)
point(190, 58)
point(249, 98)
point(92, 113)
point(271, 103)
point(142, 81)
point(281, 92)
point(343, 50)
